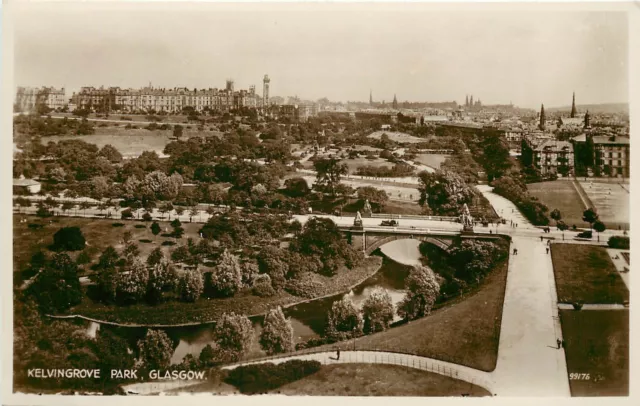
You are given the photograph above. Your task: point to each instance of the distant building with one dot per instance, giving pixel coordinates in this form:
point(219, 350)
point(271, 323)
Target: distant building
point(611, 154)
point(307, 110)
point(20, 186)
point(553, 157)
point(28, 98)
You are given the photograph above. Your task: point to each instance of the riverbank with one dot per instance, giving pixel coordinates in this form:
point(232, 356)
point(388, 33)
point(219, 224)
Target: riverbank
point(207, 311)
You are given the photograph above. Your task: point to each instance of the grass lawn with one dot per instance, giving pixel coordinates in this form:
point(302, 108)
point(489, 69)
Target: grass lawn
point(597, 343)
point(377, 380)
point(432, 160)
point(585, 273)
point(561, 195)
point(465, 330)
point(396, 136)
point(175, 312)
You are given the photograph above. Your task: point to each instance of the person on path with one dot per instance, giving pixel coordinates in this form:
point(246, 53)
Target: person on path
point(515, 251)
point(559, 342)
point(338, 352)
point(540, 238)
point(547, 250)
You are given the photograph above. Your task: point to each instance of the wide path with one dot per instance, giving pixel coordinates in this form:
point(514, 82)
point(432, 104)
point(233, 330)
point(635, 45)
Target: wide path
point(455, 371)
point(504, 207)
point(529, 362)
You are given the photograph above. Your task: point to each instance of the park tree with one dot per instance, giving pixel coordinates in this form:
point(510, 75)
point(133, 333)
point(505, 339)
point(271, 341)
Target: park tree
point(130, 249)
point(209, 355)
point(422, 292)
point(155, 257)
point(495, 156)
point(162, 277)
point(296, 187)
point(328, 173)
point(68, 239)
point(249, 271)
point(376, 197)
point(273, 262)
point(106, 275)
point(234, 336)
point(57, 287)
point(191, 286)
point(443, 192)
point(155, 228)
point(226, 277)
point(377, 311)
point(177, 131)
point(590, 216)
point(277, 333)
point(155, 350)
point(556, 215)
point(344, 321)
point(111, 153)
point(133, 280)
point(599, 227)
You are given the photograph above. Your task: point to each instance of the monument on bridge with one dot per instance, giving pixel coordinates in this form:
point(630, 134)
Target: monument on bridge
point(466, 219)
point(366, 210)
point(357, 222)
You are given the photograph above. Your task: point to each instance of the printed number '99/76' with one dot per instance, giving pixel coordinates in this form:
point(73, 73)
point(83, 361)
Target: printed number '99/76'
point(575, 376)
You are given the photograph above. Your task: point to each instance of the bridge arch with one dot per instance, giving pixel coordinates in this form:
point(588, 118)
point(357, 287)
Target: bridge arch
point(371, 246)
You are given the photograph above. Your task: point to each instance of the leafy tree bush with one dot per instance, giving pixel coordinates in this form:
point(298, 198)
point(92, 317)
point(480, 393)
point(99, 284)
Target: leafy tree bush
point(132, 280)
point(262, 286)
point(619, 242)
point(68, 239)
point(155, 350)
point(296, 187)
point(261, 378)
point(57, 287)
point(344, 321)
point(234, 336)
point(422, 292)
point(443, 192)
point(191, 286)
point(377, 311)
point(516, 191)
point(226, 277)
point(272, 261)
point(277, 333)
point(162, 277)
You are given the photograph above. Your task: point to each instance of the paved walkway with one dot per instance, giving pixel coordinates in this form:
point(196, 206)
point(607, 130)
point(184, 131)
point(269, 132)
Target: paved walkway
point(504, 207)
point(474, 376)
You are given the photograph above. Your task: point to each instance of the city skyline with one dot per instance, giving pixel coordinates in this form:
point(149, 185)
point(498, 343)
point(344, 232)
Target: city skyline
point(502, 57)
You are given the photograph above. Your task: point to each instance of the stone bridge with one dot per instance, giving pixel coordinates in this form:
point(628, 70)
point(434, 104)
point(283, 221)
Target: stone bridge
point(369, 239)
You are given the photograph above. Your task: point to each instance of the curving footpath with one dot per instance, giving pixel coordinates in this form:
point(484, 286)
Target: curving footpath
point(463, 373)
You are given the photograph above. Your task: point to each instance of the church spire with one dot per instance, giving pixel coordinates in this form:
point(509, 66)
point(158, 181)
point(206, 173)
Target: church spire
point(573, 106)
point(370, 97)
point(395, 101)
point(542, 118)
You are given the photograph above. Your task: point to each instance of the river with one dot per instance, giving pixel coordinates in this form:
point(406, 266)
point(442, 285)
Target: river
point(308, 319)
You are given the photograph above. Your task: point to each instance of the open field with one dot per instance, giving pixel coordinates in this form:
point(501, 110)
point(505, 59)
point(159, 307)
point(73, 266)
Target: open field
point(597, 343)
point(561, 195)
point(585, 273)
point(465, 330)
point(611, 200)
point(432, 160)
point(377, 380)
point(396, 136)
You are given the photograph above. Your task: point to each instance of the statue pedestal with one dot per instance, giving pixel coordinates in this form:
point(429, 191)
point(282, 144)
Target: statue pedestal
point(467, 230)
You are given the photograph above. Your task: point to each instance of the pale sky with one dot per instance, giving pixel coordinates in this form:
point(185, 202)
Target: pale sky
point(334, 51)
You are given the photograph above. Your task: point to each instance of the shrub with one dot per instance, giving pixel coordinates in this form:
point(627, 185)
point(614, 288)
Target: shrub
point(277, 333)
point(145, 241)
point(35, 226)
point(344, 321)
point(262, 286)
point(191, 286)
point(117, 224)
point(68, 239)
point(168, 243)
point(140, 226)
point(304, 285)
point(260, 378)
point(619, 242)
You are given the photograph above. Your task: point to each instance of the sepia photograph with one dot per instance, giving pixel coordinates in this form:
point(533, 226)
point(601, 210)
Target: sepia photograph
point(317, 199)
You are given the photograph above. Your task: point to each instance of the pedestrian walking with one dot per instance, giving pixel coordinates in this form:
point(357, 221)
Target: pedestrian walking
point(547, 250)
point(558, 342)
point(515, 251)
point(540, 238)
point(338, 352)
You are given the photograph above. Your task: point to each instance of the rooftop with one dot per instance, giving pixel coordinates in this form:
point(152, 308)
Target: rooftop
point(25, 182)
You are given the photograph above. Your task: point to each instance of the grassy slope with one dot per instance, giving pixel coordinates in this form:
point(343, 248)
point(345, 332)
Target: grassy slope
point(465, 331)
point(597, 343)
point(560, 195)
point(586, 274)
point(377, 380)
